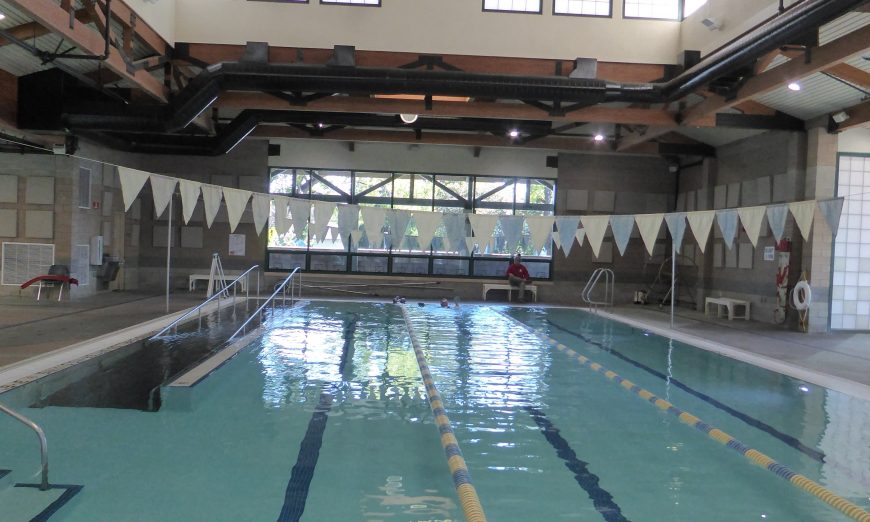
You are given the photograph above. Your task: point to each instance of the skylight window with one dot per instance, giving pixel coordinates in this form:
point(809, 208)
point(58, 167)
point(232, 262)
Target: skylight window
point(582, 7)
point(658, 9)
point(513, 6)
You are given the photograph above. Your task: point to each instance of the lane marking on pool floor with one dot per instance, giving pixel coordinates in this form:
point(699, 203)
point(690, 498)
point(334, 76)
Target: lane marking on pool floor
point(465, 490)
point(752, 421)
point(756, 457)
point(601, 498)
point(70, 491)
point(296, 493)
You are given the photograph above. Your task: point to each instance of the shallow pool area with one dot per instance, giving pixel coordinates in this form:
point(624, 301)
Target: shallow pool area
point(324, 416)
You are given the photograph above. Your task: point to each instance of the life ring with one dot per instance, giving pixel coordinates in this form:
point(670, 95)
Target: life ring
point(802, 295)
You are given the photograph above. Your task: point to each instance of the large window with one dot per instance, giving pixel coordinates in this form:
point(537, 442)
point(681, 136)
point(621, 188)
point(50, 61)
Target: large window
point(513, 6)
point(582, 7)
point(659, 9)
point(410, 191)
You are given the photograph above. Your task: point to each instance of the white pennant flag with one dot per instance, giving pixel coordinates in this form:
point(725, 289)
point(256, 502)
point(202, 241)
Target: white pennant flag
point(776, 217)
point(621, 227)
point(580, 236)
point(701, 224)
point(427, 223)
point(483, 226)
point(373, 222)
point(282, 218)
point(323, 211)
point(512, 228)
point(677, 227)
point(832, 209)
point(236, 201)
point(399, 220)
point(132, 181)
point(727, 221)
point(649, 225)
point(595, 227)
point(540, 230)
point(469, 243)
point(557, 243)
point(348, 225)
point(567, 227)
point(752, 218)
point(454, 230)
point(300, 214)
point(189, 197)
point(211, 200)
point(162, 188)
point(803, 212)
point(260, 206)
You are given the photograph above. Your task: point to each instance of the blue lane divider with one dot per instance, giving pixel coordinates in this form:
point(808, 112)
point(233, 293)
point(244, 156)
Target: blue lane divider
point(71, 491)
point(601, 498)
point(303, 471)
point(812, 453)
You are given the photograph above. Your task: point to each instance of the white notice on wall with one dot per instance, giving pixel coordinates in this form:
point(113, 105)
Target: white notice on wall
point(769, 253)
point(237, 244)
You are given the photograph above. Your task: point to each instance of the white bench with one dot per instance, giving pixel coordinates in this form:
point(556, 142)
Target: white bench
point(228, 278)
point(729, 304)
point(493, 286)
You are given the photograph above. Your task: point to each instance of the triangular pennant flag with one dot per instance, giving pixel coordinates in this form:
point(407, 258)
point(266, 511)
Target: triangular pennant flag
point(776, 216)
point(540, 231)
point(282, 218)
point(595, 227)
point(211, 200)
point(348, 224)
point(567, 227)
point(621, 227)
point(677, 227)
point(374, 219)
point(557, 243)
point(427, 223)
point(323, 211)
point(454, 230)
point(300, 214)
point(649, 225)
point(132, 181)
point(803, 212)
point(399, 220)
point(236, 201)
point(580, 236)
point(727, 221)
point(752, 218)
point(469, 243)
point(260, 207)
point(189, 197)
point(832, 209)
point(512, 228)
point(701, 223)
point(162, 188)
point(483, 226)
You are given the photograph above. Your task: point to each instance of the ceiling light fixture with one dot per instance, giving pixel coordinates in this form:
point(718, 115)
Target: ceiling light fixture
point(2, 16)
point(409, 118)
point(794, 86)
point(514, 133)
point(321, 125)
point(599, 137)
point(840, 117)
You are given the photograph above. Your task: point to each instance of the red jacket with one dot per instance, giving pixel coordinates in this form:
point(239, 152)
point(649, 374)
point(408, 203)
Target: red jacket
point(517, 269)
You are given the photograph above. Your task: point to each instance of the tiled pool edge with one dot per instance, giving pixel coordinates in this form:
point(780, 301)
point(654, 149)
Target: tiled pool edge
point(839, 384)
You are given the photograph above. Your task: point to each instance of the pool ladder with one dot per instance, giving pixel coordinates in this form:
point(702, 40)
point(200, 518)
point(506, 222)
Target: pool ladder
point(609, 280)
point(292, 284)
point(43, 444)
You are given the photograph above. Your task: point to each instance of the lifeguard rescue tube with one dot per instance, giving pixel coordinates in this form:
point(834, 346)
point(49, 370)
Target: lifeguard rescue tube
point(55, 278)
point(802, 295)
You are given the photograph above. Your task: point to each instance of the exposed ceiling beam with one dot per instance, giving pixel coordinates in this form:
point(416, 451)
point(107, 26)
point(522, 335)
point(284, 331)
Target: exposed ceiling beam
point(639, 139)
point(753, 107)
point(444, 138)
point(129, 20)
point(35, 30)
point(779, 121)
point(8, 99)
point(823, 58)
point(518, 111)
point(859, 116)
point(850, 74)
point(54, 17)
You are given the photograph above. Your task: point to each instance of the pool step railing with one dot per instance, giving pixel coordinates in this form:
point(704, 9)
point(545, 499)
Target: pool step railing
point(292, 284)
point(43, 443)
point(240, 284)
point(609, 281)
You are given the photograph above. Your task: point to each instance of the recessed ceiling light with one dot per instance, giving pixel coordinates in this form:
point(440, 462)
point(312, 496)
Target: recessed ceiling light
point(599, 137)
point(321, 125)
point(2, 16)
point(408, 118)
point(794, 86)
point(514, 133)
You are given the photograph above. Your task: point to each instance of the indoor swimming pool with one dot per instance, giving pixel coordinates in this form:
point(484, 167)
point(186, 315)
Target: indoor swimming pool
point(324, 417)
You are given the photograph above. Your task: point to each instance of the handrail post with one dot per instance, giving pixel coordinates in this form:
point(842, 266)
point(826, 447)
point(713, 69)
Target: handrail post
point(43, 443)
point(247, 290)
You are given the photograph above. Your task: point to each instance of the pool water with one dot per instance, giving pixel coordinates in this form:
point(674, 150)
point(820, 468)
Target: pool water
point(324, 418)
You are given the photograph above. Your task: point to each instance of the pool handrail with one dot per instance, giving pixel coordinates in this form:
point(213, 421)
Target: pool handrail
point(217, 295)
point(43, 443)
point(609, 280)
point(281, 288)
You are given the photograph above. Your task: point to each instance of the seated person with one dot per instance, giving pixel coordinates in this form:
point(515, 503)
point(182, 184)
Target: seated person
point(518, 276)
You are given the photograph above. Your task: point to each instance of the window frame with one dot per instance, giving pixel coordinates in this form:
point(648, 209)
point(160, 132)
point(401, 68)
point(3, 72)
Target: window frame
point(584, 15)
point(540, 10)
point(679, 18)
point(379, 4)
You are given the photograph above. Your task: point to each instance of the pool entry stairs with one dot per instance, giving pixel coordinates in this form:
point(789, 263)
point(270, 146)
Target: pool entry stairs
point(25, 502)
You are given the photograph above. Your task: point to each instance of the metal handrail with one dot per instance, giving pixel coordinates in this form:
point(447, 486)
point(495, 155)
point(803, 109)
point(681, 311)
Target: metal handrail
point(282, 289)
point(43, 444)
point(609, 280)
point(223, 292)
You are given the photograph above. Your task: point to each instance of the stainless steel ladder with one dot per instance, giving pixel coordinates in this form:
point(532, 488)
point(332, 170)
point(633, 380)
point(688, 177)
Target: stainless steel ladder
point(609, 280)
point(43, 444)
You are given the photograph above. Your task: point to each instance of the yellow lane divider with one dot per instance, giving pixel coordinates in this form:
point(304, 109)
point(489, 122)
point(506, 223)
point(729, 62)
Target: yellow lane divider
point(756, 457)
point(468, 498)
